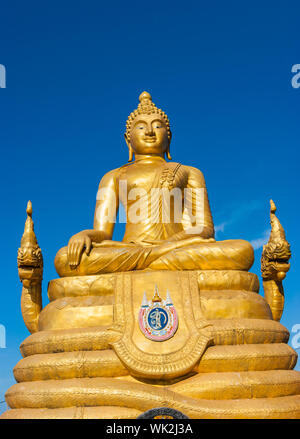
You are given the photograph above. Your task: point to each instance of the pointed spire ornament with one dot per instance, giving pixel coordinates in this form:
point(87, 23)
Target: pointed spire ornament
point(156, 297)
point(168, 298)
point(145, 301)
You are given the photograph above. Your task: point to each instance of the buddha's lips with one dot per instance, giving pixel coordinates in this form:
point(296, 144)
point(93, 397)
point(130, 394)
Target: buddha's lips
point(150, 139)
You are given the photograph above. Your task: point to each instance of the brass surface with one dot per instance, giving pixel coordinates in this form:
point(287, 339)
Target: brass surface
point(68, 340)
point(103, 412)
point(242, 385)
point(106, 363)
point(247, 357)
point(77, 312)
point(80, 364)
point(224, 332)
point(230, 304)
point(87, 356)
point(105, 284)
point(91, 392)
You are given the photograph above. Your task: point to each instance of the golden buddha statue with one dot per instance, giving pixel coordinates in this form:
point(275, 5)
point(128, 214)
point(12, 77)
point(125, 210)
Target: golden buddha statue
point(169, 317)
point(186, 244)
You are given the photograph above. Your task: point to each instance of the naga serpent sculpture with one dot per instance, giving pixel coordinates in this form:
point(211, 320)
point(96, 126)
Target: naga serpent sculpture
point(30, 267)
point(274, 265)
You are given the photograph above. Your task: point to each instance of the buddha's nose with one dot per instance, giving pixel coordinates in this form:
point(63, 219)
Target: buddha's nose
point(149, 131)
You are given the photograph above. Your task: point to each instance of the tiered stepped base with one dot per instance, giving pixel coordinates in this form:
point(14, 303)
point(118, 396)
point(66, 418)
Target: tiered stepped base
point(228, 358)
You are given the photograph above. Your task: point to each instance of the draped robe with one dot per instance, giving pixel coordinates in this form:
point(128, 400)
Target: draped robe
point(153, 243)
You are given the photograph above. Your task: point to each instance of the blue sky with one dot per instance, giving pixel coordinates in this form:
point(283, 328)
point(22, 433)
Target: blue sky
point(220, 70)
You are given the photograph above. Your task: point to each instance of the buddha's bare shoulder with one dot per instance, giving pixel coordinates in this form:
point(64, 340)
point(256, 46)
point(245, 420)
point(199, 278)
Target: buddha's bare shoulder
point(192, 172)
point(110, 177)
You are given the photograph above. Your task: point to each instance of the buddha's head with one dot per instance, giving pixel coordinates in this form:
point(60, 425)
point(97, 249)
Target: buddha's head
point(148, 130)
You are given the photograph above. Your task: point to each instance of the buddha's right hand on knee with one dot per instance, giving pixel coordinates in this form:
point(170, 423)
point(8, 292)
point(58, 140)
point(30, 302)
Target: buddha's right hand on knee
point(77, 244)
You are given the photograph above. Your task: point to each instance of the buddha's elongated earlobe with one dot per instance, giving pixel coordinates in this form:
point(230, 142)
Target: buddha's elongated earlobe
point(168, 150)
point(129, 148)
point(130, 154)
point(168, 153)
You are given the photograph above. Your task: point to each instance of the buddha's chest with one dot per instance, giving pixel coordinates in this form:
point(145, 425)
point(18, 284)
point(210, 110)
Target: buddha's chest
point(144, 178)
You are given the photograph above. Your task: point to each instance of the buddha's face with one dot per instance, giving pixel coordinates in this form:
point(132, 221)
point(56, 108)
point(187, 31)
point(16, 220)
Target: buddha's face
point(149, 135)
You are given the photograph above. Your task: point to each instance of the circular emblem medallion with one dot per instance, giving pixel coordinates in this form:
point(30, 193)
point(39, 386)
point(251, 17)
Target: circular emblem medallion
point(162, 413)
point(158, 319)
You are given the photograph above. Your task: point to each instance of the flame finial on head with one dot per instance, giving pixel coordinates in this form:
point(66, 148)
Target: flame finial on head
point(145, 96)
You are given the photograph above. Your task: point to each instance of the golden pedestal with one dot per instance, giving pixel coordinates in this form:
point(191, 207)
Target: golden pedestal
point(89, 358)
point(207, 344)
